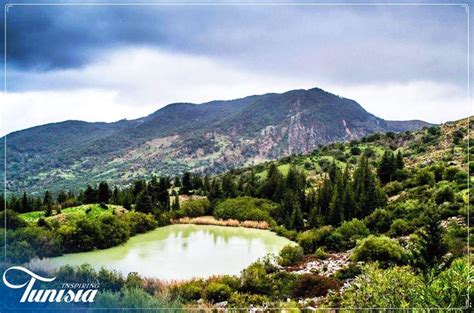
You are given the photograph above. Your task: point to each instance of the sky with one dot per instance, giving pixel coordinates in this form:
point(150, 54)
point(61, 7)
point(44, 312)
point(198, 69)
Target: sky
point(106, 63)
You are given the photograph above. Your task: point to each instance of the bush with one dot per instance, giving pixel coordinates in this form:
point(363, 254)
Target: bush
point(424, 177)
point(246, 209)
point(310, 285)
point(216, 292)
point(194, 207)
point(383, 249)
point(290, 254)
point(310, 240)
point(351, 231)
point(393, 188)
point(400, 227)
point(189, 291)
point(13, 220)
point(445, 194)
point(140, 222)
point(379, 221)
point(282, 231)
point(254, 279)
point(396, 287)
point(114, 232)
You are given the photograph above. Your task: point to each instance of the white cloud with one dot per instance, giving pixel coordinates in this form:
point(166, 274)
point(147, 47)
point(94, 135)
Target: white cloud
point(135, 82)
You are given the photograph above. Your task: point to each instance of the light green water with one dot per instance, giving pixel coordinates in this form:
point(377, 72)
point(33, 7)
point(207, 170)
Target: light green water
point(183, 252)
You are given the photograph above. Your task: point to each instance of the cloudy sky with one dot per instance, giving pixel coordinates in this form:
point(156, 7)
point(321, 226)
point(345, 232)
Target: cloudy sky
point(105, 63)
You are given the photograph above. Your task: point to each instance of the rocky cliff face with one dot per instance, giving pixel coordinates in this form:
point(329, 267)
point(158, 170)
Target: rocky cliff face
point(208, 138)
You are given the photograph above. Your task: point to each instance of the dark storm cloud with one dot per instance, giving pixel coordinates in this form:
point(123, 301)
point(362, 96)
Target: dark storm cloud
point(350, 45)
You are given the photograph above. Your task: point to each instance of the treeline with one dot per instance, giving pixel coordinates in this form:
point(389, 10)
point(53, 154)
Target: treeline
point(345, 193)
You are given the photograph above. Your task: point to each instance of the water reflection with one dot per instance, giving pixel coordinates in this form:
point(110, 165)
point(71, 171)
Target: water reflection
point(184, 251)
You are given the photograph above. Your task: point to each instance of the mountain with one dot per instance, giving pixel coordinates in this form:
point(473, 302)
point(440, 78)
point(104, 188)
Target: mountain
point(209, 137)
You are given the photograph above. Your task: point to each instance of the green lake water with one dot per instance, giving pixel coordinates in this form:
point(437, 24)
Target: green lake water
point(183, 252)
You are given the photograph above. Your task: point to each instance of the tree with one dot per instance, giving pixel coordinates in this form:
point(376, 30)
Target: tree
point(228, 186)
point(144, 203)
point(336, 210)
point(387, 167)
point(90, 195)
point(62, 197)
point(104, 192)
point(273, 186)
point(400, 164)
point(25, 203)
point(434, 247)
point(187, 184)
point(175, 206)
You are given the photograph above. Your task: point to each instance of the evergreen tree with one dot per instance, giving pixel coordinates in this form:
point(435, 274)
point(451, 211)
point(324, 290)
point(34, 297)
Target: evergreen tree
point(177, 182)
point(387, 167)
point(336, 209)
point(90, 195)
point(434, 247)
point(48, 199)
point(400, 164)
point(187, 184)
point(228, 186)
point(115, 196)
point(163, 197)
point(25, 203)
point(175, 206)
point(138, 187)
point(289, 205)
point(144, 203)
point(104, 193)
point(297, 222)
point(62, 197)
point(274, 184)
point(216, 190)
point(367, 189)
point(325, 197)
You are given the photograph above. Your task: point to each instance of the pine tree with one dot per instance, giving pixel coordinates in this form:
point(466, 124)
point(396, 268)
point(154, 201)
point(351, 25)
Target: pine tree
point(400, 164)
point(274, 184)
point(144, 203)
point(387, 167)
point(216, 190)
point(297, 222)
point(62, 197)
point(175, 206)
point(336, 210)
point(90, 195)
point(25, 203)
point(434, 247)
point(187, 184)
point(104, 193)
point(228, 186)
point(325, 197)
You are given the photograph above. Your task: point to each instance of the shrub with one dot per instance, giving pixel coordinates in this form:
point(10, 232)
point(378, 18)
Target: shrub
point(140, 222)
point(450, 173)
point(189, 291)
point(246, 208)
point(393, 188)
point(194, 207)
point(382, 249)
point(400, 227)
point(254, 279)
point(310, 240)
point(396, 287)
point(310, 285)
point(379, 221)
point(13, 220)
point(351, 231)
point(114, 231)
point(445, 194)
point(320, 253)
point(216, 292)
point(424, 177)
point(290, 254)
point(282, 231)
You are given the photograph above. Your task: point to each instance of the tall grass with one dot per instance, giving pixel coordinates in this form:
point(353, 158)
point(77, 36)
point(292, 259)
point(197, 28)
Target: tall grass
point(210, 220)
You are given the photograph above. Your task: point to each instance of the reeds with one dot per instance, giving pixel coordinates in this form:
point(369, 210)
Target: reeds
point(210, 220)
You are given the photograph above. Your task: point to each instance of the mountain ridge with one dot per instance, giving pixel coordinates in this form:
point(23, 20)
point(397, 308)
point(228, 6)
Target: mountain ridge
point(210, 137)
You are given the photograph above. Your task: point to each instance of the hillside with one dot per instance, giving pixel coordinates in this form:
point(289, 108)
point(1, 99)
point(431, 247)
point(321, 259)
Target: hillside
point(210, 138)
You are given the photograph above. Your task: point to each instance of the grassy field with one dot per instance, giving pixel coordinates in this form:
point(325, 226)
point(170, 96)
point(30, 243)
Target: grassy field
point(73, 213)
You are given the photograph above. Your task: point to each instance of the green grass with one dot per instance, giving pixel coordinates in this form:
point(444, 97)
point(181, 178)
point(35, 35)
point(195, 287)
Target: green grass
point(71, 214)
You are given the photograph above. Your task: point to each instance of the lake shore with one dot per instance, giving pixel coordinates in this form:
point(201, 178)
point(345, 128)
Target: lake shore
point(210, 220)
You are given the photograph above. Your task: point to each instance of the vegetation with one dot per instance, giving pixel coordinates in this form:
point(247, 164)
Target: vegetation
point(389, 209)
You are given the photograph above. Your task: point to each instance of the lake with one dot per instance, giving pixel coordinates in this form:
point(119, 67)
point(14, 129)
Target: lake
point(183, 252)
